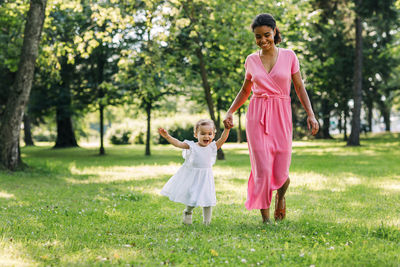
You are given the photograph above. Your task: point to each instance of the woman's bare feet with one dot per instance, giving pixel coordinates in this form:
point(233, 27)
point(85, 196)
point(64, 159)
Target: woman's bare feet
point(265, 215)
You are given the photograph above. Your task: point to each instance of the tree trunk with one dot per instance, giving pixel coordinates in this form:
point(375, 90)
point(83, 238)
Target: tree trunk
point(19, 95)
point(101, 109)
point(65, 131)
point(370, 106)
point(207, 92)
point(27, 131)
point(148, 135)
point(340, 123)
point(354, 139)
point(326, 119)
point(239, 132)
point(385, 111)
point(345, 127)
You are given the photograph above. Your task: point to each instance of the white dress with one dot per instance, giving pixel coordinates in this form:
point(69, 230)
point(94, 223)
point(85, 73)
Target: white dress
point(193, 183)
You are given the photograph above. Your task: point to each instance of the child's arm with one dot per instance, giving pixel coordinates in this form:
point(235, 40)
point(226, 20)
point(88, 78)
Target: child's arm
point(171, 140)
point(223, 138)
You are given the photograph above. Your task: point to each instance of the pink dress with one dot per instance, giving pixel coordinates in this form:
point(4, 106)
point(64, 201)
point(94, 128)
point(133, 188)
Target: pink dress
point(269, 126)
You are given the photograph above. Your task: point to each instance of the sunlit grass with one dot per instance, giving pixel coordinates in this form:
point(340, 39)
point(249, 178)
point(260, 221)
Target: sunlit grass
point(73, 207)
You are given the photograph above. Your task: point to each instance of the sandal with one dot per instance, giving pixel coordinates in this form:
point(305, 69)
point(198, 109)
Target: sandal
point(279, 214)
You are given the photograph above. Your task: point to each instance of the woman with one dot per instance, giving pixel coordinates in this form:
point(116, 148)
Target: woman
point(269, 73)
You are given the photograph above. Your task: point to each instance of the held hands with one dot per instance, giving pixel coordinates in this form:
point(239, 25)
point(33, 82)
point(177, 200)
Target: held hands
point(312, 124)
point(163, 132)
point(228, 121)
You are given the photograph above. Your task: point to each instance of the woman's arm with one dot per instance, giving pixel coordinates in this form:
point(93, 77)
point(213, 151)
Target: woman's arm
point(305, 102)
point(240, 99)
point(223, 138)
point(171, 140)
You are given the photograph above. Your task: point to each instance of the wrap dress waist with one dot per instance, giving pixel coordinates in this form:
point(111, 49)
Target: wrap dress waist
point(266, 110)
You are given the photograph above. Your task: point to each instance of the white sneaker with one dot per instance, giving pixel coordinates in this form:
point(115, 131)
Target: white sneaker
point(187, 217)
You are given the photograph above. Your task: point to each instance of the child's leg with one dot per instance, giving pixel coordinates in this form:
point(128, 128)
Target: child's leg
point(207, 212)
point(187, 215)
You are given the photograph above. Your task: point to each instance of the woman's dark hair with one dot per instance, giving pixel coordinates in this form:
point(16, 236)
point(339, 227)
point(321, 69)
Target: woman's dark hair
point(267, 20)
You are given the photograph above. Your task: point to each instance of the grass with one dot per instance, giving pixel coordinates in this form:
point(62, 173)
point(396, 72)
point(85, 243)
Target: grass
point(73, 207)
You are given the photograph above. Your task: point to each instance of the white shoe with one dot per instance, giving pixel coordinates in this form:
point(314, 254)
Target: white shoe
point(187, 217)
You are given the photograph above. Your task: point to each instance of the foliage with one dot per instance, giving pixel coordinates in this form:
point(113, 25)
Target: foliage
point(120, 136)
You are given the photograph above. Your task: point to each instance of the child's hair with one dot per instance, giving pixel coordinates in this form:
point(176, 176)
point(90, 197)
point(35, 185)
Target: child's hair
point(203, 122)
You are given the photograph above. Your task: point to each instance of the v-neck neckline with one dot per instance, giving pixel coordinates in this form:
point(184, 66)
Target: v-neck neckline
point(262, 64)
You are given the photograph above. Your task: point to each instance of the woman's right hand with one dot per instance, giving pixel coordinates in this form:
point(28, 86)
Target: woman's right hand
point(228, 121)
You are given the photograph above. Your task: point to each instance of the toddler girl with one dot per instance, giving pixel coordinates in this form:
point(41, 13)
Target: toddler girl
point(193, 183)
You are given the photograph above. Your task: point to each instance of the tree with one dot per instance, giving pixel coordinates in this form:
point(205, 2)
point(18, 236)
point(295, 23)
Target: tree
point(19, 94)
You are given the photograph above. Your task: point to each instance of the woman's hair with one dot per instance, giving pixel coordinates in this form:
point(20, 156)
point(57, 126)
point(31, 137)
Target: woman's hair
point(203, 122)
point(267, 20)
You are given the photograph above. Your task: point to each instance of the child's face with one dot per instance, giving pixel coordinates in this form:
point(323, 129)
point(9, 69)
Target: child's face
point(205, 134)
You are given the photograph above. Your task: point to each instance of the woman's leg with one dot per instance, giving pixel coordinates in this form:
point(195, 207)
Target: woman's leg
point(282, 192)
point(207, 212)
point(265, 215)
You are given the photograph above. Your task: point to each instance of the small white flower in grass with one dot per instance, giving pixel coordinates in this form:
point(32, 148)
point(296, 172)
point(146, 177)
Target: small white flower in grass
point(244, 260)
point(301, 255)
point(327, 233)
point(177, 239)
point(127, 245)
point(303, 236)
point(252, 250)
point(331, 248)
point(312, 265)
point(226, 262)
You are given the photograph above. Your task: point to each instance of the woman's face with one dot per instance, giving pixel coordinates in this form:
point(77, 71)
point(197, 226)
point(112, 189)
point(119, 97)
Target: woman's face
point(264, 36)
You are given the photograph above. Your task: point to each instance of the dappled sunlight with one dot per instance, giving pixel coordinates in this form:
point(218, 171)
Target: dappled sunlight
point(6, 195)
point(13, 254)
point(121, 173)
point(392, 186)
point(313, 181)
point(316, 181)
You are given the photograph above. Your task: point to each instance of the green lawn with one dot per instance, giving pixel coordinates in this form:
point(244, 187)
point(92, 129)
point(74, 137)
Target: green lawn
point(73, 207)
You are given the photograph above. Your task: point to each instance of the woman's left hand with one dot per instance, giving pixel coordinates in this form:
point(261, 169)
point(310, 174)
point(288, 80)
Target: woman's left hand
point(312, 125)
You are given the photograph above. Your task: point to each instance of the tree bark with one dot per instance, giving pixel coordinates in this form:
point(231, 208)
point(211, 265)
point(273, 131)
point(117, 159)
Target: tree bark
point(27, 131)
point(148, 135)
point(326, 119)
point(354, 139)
point(101, 109)
point(207, 92)
point(370, 106)
point(65, 131)
point(19, 95)
point(385, 111)
point(345, 127)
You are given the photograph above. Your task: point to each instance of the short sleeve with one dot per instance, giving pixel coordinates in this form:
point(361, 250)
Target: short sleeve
point(246, 67)
point(186, 152)
point(214, 150)
point(295, 64)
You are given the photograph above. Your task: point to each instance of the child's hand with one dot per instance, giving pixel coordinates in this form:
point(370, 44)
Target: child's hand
point(163, 132)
